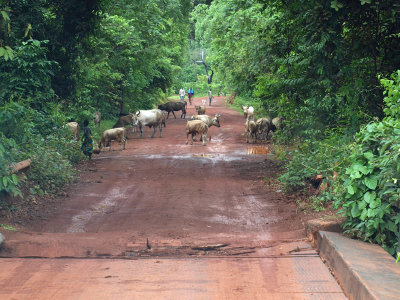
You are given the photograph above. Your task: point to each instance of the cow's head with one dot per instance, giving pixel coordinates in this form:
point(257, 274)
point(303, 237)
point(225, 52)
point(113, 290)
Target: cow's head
point(215, 122)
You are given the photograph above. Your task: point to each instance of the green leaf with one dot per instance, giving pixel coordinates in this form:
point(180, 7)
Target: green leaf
point(336, 5)
point(364, 214)
point(355, 175)
point(371, 213)
point(391, 226)
point(5, 181)
point(371, 182)
point(5, 16)
point(369, 155)
point(351, 190)
point(376, 223)
point(376, 203)
point(14, 178)
point(355, 212)
point(362, 204)
point(368, 197)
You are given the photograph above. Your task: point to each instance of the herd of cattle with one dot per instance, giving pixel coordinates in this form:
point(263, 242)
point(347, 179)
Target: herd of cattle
point(197, 125)
point(259, 128)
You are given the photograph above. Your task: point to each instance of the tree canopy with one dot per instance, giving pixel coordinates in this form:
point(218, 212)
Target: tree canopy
point(314, 62)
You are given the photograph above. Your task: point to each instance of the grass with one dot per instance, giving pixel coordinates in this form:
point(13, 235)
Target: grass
point(8, 227)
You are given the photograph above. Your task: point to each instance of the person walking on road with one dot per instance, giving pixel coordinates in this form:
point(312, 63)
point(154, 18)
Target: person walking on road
point(182, 94)
point(87, 140)
point(190, 94)
point(209, 97)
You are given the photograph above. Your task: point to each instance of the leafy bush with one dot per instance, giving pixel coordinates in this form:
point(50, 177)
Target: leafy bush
point(370, 195)
point(9, 182)
point(313, 158)
point(40, 136)
point(51, 168)
point(28, 75)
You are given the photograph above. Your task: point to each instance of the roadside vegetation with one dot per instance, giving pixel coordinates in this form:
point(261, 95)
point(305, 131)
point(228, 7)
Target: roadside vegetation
point(329, 69)
point(62, 61)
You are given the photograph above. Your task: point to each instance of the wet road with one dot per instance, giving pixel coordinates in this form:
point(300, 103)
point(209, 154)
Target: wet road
point(165, 220)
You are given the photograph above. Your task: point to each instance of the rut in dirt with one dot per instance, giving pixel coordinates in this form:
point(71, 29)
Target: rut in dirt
point(161, 197)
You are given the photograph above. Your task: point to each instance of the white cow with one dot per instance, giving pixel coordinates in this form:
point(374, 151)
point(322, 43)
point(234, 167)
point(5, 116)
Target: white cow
point(150, 118)
point(248, 112)
point(114, 134)
point(74, 129)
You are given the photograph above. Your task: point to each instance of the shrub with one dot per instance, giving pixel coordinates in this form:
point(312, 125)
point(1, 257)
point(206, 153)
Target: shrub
point(9, 182)
point(40, 136)
point(370, 195)
point(313, 158)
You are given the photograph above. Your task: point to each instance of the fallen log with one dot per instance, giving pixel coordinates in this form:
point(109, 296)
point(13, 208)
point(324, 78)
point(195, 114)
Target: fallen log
point(21, 166)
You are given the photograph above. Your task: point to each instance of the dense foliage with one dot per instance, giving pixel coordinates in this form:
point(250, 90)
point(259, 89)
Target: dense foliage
point(64, 60)
point(371, 189)
point(317, 64)
point(313, 62)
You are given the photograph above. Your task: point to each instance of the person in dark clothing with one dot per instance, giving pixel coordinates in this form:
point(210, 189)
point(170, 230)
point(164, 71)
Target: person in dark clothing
point(87, 140)
point(190, 94)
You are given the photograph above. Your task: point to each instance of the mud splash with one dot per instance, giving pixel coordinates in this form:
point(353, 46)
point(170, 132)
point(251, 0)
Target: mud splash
point(259, 150)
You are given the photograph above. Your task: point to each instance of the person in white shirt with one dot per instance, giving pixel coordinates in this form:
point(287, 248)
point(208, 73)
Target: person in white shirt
point(182, 94)
point(209, 97)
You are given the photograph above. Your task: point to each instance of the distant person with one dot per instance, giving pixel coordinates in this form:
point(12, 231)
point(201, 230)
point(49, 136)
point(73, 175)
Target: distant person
point(190, 94)
point(182, 94)
point(209, 97)
point(87, 144)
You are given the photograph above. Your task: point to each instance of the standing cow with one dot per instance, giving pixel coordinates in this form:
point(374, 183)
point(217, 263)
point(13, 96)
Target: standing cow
point(114, 134)
point(151, 118)
point(129, 119)
point(97, 118)
point(172, 106)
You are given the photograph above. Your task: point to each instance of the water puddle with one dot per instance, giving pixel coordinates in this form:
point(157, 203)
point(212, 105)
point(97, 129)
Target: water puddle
point(259, 150)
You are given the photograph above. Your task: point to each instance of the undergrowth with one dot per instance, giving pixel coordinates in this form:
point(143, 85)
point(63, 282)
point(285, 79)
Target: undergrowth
point(366, 190)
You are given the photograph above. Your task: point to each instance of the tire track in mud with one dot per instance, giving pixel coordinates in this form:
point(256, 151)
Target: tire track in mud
point(79, 221)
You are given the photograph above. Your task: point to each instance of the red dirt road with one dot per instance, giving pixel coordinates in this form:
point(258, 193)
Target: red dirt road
point(165, 220)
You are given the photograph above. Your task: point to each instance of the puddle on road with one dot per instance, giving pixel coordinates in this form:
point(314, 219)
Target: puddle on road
point(259, 150)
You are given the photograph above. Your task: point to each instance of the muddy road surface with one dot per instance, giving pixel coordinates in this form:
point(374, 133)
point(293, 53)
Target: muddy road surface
point(166, 220)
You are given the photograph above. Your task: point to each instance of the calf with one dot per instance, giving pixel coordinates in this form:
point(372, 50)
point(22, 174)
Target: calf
point(115, 134)
point(201, 109)
point(210, 121)
point(172, 106)
point(194, 127)
point(251, 130)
